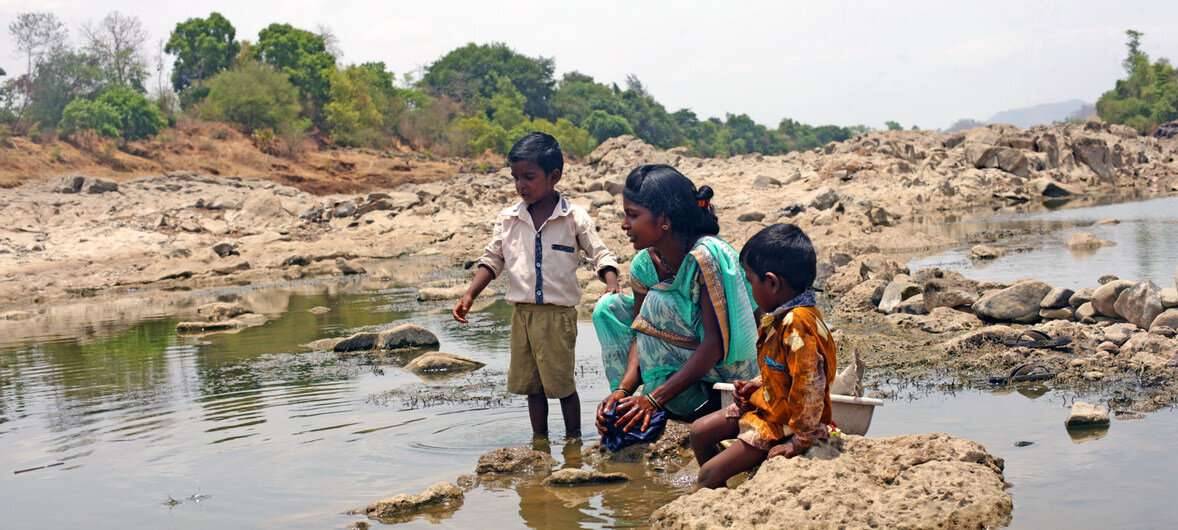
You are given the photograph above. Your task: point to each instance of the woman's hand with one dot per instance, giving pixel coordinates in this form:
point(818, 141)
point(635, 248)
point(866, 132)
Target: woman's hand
point(744, 391)
point(639, 410)
point(606, 405)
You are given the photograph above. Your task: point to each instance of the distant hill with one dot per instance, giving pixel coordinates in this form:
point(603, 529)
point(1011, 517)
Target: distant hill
point(1044, 114)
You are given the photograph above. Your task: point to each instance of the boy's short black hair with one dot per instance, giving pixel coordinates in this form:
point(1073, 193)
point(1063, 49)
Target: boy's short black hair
point(785, 250)
point(538, 147)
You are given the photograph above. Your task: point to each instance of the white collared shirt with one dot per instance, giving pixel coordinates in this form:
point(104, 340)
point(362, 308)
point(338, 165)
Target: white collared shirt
point(541, 264)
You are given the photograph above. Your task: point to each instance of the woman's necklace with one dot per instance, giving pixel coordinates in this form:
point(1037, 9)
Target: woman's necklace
point(661, 264)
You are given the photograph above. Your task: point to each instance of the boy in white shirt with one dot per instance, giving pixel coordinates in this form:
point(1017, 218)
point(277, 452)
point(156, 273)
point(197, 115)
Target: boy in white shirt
point(537, 244)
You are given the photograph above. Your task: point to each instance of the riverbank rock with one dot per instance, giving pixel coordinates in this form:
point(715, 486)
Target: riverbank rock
point(1057, 298)
point(1170, 297)
point(247, 320)
point(943, 293)
point(319, 310)
point(438, 362)
point(896, 292)
point(1081, 297)
point(989, 335)
point(514, 461)
point(916, 481)
point(1086, 241)
point(985, 252)
point(583, 477)
point(939, 320)
point(440, 496)
point(1087, 415)
point(1104, 298)
point(1140, 304)
point(1168, 318)
point(435, 294)
point(1017, 303)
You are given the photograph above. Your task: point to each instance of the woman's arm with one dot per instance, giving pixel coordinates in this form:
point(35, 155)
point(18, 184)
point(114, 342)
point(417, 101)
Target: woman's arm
point(630, 380)
point(709, 353)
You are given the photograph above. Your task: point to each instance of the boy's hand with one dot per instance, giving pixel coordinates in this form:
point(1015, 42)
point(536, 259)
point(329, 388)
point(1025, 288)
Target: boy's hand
point(787, 449)
point(744, 390)
point(462, 308)
point(611, 282)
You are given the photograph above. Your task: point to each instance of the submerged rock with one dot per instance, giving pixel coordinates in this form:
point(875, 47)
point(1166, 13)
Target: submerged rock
point(916, 481)
point(985, 252)
point(1086, 241)
point(583, 477)
point(438, 362)
point(402, 336)
point(514, 461)
point(1087, 415)
point(220, 311)
point(442, 495)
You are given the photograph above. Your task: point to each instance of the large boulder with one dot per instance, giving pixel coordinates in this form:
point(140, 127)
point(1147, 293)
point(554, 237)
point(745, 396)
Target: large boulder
point(1140, 304)
point(1169, 297)
point(1017, 303)
point(915, 481)
point(1094, 153)
point(1007, 159)
point(1119, 333)
point(863, 297)
point(1104, 299)
point(985, 252)
point(1050, 189)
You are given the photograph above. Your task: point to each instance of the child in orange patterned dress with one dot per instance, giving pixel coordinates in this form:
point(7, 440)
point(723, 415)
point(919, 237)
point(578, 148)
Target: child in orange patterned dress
point(786, 409)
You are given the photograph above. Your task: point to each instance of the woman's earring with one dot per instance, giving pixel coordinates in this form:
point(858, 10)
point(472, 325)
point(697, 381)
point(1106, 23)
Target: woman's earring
point(666, 228)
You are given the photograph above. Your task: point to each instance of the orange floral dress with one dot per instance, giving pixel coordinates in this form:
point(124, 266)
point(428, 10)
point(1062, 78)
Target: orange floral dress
point(797, 358)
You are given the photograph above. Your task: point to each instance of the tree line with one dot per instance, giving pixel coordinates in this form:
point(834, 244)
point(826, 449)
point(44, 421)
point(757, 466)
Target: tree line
point(289, 83)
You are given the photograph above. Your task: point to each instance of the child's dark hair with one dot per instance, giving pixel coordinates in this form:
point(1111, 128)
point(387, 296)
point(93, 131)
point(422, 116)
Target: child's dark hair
point(785, 250)
point(663, 190)
point(538, 147)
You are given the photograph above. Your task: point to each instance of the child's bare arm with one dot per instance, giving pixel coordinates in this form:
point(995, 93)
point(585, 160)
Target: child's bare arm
point(604, 261)
point(482, 277)
point(489, 265)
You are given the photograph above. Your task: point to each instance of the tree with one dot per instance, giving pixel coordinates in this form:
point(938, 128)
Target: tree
point(364, 106)
point(893, 125)
point(254, 96)
point(1147, 96)
point(302, 56)
point(203, 47)
point(506, 108)
point(62, 77)
point(117, 43)
point(469, 75)
point(38, 34)
point(603, 125)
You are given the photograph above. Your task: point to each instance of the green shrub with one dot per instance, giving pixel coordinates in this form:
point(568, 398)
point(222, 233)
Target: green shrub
point(85, 115)
point(254, 96)
point(138, 117)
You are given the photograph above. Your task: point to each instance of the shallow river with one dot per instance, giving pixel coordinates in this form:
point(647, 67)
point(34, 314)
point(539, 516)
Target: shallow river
point(131, 426)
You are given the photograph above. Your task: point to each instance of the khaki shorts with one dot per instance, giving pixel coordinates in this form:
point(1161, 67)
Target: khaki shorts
point(543, 340)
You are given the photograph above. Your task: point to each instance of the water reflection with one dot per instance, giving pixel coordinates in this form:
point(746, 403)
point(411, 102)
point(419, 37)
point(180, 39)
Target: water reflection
point(1146, 238)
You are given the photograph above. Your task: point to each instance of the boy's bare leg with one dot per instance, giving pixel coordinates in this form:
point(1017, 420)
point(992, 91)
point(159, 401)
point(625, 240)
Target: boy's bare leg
point(570, 408)
point(707, 433)
point(538, 413)
point(737, 458)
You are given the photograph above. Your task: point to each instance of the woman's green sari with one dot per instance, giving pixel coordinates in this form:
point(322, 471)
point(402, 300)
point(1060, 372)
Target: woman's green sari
point(668, 328)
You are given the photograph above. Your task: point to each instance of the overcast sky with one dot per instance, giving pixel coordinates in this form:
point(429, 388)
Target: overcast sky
point(829, 61)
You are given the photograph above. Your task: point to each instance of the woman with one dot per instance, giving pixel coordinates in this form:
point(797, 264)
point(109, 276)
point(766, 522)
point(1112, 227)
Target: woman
point(690, 321)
